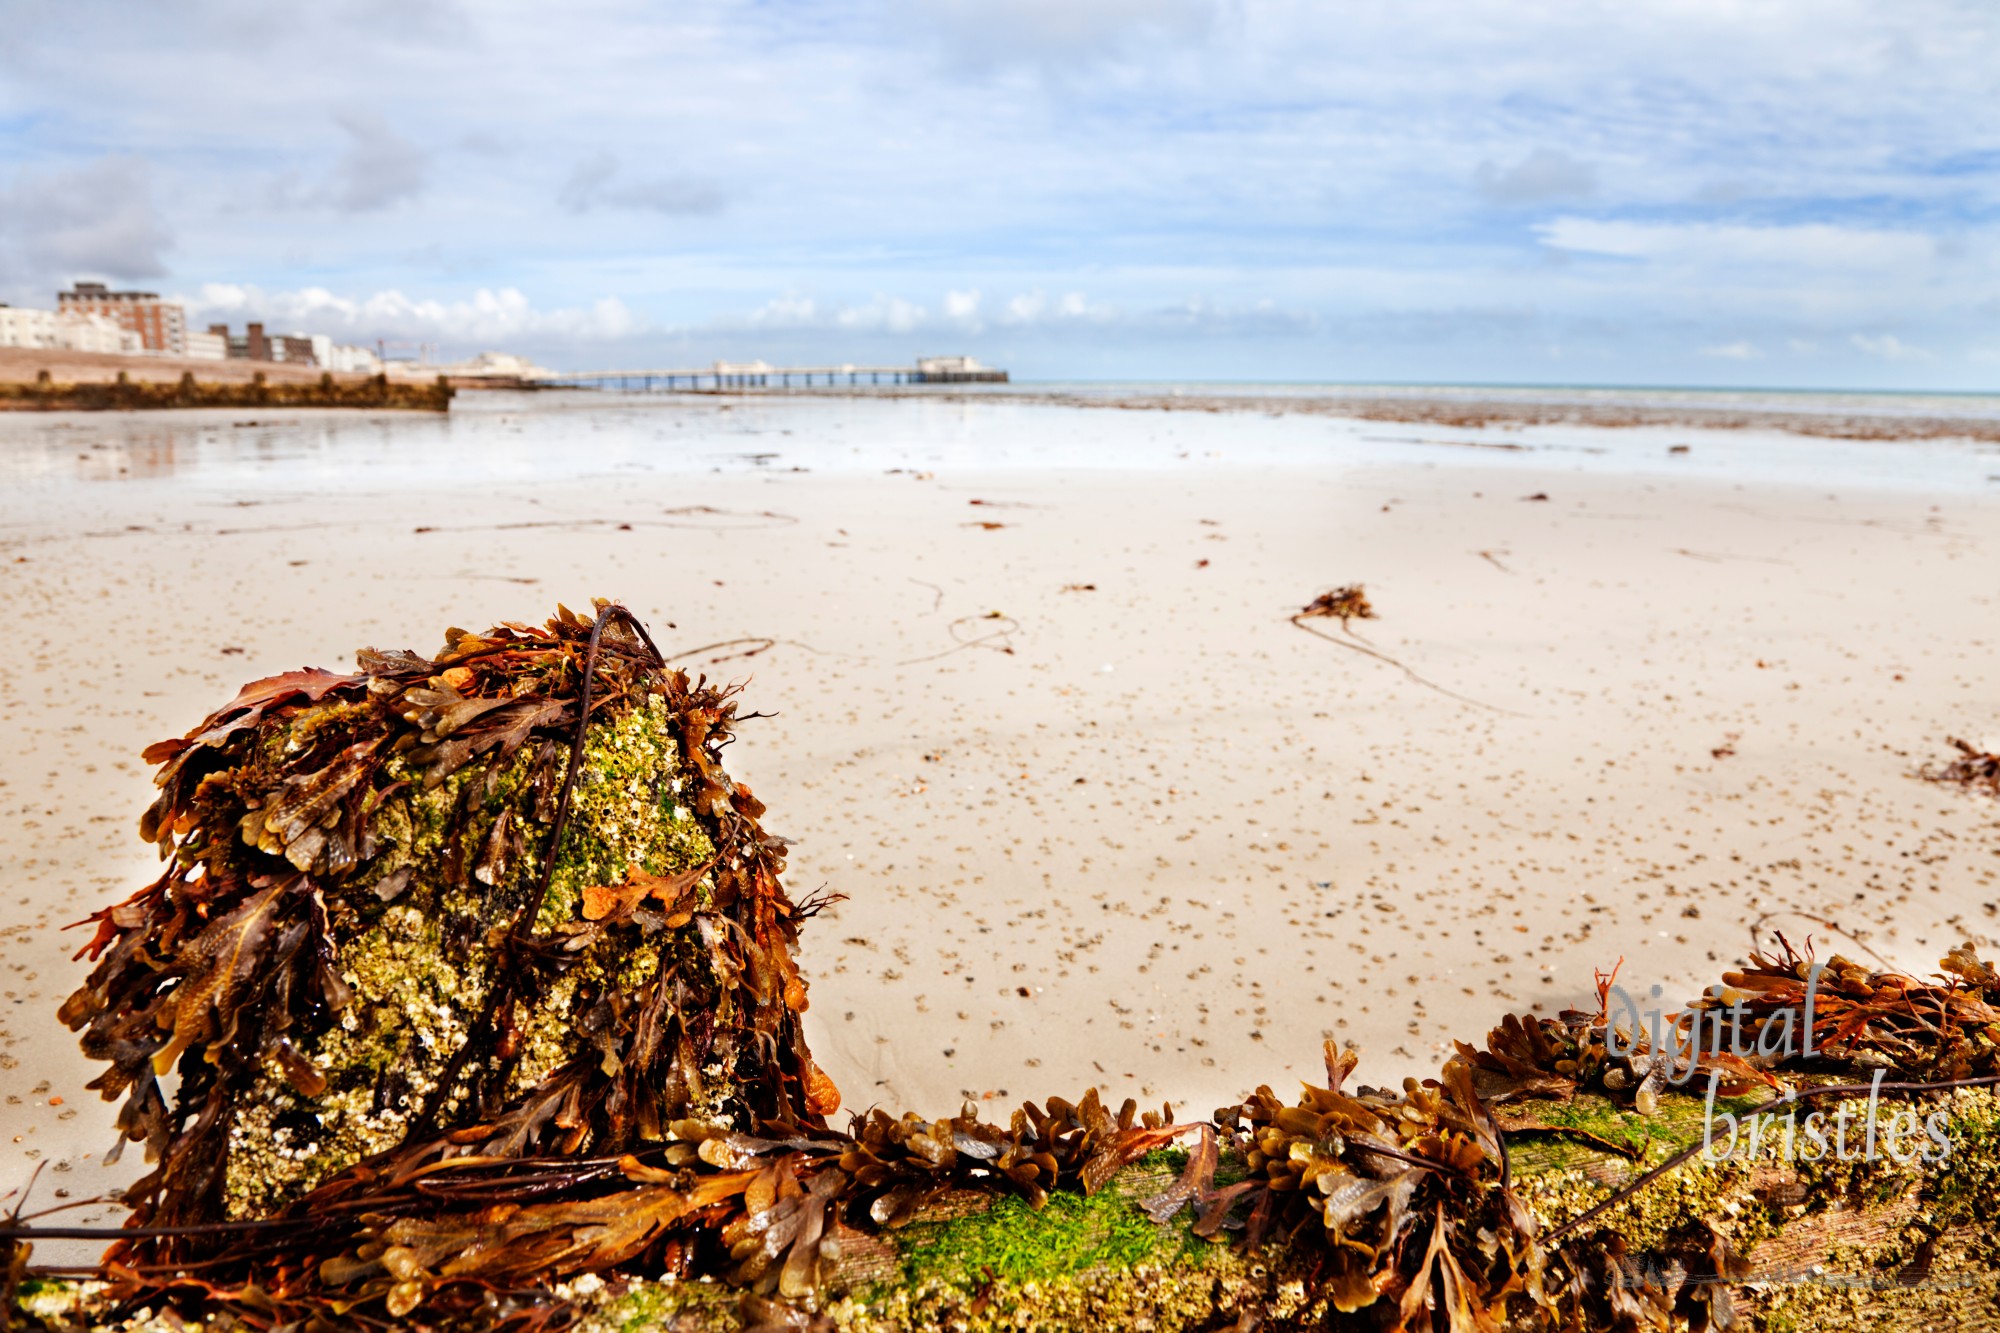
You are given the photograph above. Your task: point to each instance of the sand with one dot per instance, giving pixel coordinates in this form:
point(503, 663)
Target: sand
point(1102, 814)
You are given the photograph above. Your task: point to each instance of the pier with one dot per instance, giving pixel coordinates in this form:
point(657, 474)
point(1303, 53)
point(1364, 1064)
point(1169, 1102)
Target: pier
point(724, 376)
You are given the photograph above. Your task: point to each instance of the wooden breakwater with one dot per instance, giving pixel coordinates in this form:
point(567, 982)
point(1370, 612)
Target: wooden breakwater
point(126, 394)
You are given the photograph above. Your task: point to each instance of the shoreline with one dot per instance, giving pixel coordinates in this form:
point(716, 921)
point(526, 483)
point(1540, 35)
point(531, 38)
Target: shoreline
point(1435, 407)
point(1859, 416)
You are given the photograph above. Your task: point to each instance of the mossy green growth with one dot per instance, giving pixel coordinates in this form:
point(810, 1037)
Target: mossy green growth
point(628, 809)
point(1679, 1121)
point(1068, 1236)
point(648, 1306)
point(1962, 1187)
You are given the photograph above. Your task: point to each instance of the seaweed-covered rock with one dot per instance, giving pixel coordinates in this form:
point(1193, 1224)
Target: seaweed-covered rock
point(424, 910)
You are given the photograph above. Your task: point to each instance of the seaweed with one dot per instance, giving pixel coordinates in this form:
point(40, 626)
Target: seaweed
point(1343, 604)
point(1349, 603)
point(613, 1081)
point(372, 941)
point(1974, 768)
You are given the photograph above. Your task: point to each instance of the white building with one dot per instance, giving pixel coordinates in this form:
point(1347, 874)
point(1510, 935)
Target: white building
point(159, 326)
point(492, 365)
point(68, 331)
point(21, 327)
point(956, 370)
point(500, 363)
point(949, 365)
point(344, 360)
point(96, 333)
point(206, 346)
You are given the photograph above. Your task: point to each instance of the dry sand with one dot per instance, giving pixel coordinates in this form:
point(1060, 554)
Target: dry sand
point(1165, 843)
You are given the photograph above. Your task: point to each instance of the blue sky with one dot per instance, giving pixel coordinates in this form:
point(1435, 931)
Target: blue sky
point(1700, 192)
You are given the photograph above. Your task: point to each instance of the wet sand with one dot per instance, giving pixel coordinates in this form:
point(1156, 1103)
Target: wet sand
point(1878, 417)
point(1102, 813)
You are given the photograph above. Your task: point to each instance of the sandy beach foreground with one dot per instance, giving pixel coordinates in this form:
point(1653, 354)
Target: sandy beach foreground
point(1102, 814)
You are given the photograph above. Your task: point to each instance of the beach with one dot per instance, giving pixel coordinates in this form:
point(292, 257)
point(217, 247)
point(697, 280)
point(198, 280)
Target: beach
point(1102, 813)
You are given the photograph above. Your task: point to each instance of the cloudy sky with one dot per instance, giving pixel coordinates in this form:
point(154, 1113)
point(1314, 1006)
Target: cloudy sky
point(1773, 192)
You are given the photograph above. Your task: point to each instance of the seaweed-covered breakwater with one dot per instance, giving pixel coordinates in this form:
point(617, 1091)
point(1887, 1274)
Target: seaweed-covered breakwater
point(489, 957)
point(127, 394)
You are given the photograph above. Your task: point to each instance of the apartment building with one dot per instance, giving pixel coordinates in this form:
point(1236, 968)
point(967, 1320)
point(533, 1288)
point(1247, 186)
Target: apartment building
point(254, 344)
point(161, 326)
point(64, 330)
point(27, 328)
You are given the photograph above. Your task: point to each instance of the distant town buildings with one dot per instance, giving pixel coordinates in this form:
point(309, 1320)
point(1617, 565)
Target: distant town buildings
point(160, 325)
point(27, 328)
point(493, 364)
point(90, 317)
point(344, 360)
point(209, 346)
point(253, 344)
point(65, 330)
point(87, 331)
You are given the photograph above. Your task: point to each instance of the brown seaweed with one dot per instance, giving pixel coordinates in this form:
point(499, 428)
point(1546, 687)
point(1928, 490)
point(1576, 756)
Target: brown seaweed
point(288, 823)
point(1974, 768)
point(228, 968)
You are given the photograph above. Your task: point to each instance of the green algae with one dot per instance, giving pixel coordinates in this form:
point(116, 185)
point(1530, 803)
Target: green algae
point(1068, 1235)
point(628, 810)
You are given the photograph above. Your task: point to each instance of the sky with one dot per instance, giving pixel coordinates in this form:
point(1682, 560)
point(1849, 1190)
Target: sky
point(1706, 192)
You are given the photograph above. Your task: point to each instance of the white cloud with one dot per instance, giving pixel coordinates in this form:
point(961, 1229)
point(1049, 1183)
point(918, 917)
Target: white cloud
point(957, 311)
point(1026, 308)
point(884, 314)
point(1808, 245)
point(1338, 159)
point(1258, 319)
point(486, 317)
point(786, 312)
point(1736, 351)
point(962, 306)
point(1035, 308)
point(1889, 347)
